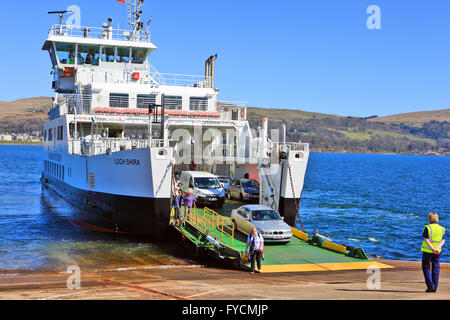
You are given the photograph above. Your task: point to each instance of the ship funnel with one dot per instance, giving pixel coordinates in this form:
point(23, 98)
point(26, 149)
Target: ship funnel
point(209, 71)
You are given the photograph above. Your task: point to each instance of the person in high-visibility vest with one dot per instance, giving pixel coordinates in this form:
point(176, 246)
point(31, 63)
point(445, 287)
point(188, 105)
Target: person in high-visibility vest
point(433, 240)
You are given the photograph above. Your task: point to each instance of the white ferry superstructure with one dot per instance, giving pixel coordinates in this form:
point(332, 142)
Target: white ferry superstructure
point(118, 129)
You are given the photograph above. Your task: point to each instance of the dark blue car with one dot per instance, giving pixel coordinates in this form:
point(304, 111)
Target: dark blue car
point(244, 190)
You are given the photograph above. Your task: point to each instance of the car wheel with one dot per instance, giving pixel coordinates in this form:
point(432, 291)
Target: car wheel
point(235, 225)
point(241, 197)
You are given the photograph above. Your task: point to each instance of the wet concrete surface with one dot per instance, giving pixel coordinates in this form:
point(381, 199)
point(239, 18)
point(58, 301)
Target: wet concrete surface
point(197, 282)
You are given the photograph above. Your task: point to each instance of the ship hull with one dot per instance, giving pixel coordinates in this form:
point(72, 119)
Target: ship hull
point(104, 212)
point(125, 192)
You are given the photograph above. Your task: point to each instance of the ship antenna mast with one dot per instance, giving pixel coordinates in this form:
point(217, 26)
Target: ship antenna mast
point(134, 18)
point(61, 16)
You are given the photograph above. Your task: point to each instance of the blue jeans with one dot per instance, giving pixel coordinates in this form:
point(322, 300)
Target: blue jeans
point(431, 276)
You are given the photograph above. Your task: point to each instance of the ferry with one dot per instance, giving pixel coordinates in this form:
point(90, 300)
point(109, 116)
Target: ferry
point(119, 129)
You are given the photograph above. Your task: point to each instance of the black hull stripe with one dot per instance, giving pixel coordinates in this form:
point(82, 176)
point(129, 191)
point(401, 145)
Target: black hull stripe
point(118, 213)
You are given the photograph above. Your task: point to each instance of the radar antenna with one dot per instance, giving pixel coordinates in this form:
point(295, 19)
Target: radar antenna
point(61, 16)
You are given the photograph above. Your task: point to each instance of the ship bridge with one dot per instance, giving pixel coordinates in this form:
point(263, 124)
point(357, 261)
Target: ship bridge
point(84, 55)
point(107, 71)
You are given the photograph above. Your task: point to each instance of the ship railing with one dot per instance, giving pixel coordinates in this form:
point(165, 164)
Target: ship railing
point(98, 146)
point(80, 102)
point(58, 110)
point(232, 110)
point(98, 33)
point(172, 79)
point(289, 146)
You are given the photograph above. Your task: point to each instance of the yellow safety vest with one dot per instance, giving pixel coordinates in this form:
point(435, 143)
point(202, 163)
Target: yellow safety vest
point(435, 234)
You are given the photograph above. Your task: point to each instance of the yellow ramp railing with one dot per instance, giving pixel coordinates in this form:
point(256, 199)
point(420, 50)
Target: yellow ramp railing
point(209, 220)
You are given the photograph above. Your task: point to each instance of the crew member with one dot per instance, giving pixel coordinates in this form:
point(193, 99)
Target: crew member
point(433, 240)
point(256, 243)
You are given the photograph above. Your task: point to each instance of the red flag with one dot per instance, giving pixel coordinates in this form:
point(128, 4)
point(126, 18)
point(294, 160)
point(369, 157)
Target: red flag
point(122, 1)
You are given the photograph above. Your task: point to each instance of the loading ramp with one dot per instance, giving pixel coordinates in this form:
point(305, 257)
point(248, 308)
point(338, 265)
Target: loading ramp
point(214, 234)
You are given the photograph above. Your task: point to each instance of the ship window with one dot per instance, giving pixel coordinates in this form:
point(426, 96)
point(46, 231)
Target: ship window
point(107, 54)
point(118, 100)
point(138, 55)
point(144, 100)
point(173, 102)
point(45, 135)
point(65, 53)
point(88, 54)
point(50, 135)
point(123, 54)
point(60, 133)
point(198, 103)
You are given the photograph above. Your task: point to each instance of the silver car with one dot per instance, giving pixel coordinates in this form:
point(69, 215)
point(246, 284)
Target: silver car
point(267, 221)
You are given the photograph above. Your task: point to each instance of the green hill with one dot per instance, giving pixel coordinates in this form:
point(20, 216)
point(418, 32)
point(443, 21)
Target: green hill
point(424, 131)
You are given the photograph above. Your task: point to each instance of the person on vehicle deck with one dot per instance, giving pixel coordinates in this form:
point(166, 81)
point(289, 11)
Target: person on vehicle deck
point(256, 243)
point(188, 200)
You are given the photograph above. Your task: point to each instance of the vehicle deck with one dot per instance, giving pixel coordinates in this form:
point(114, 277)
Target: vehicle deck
point(296, 256)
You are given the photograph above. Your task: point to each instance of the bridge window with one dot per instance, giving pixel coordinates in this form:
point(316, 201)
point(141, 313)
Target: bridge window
point(107, 54)
point(138, 55)
point(173, 102)
point(118, 100)
point(88, 54)
point(198, 103)
point(144, 100)
point(123, 54)
point(65, 53)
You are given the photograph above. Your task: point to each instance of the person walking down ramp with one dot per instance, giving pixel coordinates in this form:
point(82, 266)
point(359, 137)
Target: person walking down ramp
point(433, 240)
point(256, 243)
point(188, 200)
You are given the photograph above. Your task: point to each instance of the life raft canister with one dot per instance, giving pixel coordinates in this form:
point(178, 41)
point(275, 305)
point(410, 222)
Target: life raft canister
point(69, 72)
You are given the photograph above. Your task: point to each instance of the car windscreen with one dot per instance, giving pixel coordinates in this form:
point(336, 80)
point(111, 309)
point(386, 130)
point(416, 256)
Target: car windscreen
point(250, 184)
point(207, 183)
point(261, 215)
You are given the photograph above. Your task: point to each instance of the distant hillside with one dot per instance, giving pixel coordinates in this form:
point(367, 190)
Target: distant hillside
point(24, 115)
point(416, 117)
point(332, 133)
point(409, 133)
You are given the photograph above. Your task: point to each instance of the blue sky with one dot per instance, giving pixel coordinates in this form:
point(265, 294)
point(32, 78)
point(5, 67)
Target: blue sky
point(312, 55)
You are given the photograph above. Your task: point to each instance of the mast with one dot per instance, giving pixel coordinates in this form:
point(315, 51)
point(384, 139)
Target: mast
point(134, 19)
